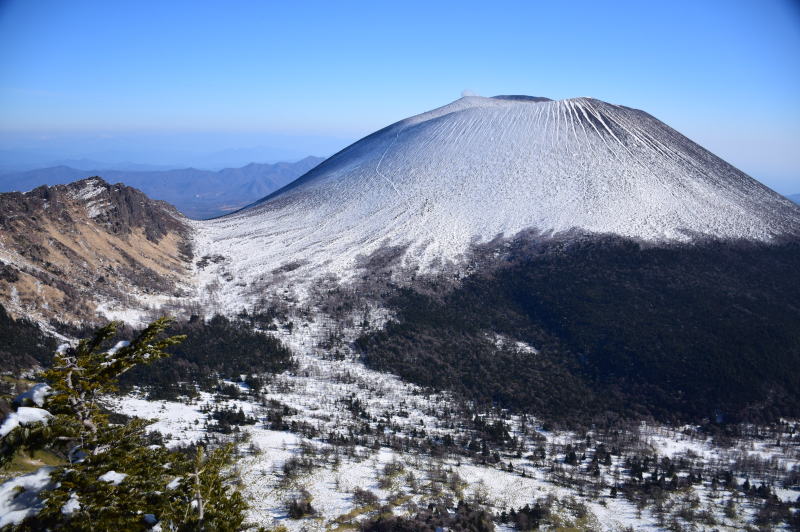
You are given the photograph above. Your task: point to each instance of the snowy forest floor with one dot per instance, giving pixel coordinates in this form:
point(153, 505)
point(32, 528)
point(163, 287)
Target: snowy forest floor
point(332, 426)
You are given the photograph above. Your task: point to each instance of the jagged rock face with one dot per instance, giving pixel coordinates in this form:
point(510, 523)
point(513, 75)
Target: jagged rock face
point(67, 250)
point(435, 184)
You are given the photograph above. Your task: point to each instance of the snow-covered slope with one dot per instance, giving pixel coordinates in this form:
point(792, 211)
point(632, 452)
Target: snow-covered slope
point(481, 167)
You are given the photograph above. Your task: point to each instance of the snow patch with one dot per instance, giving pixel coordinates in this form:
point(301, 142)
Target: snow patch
point(119, 345)
point(90, 189)
point(504, 342)
point(25, 415)
point(72, 505)
point(36, 395)
point(19, 497)
point(112, 477)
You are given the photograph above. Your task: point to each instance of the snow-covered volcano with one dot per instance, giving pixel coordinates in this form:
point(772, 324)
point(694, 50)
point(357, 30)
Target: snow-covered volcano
point(482, 167)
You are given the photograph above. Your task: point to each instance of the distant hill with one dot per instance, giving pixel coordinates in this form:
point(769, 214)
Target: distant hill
point(794, 197)
point(196, 193)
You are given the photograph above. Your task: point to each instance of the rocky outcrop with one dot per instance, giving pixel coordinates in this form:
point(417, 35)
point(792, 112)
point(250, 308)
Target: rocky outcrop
point(70, 252)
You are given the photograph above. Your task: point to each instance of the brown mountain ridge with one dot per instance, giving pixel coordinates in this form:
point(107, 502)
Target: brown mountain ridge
point(65, 250)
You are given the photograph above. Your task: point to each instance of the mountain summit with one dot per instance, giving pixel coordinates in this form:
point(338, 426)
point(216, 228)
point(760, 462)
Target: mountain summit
point(437, 183)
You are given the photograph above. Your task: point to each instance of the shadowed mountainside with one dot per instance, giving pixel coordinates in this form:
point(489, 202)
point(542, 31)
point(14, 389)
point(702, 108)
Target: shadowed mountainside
point(680, 332)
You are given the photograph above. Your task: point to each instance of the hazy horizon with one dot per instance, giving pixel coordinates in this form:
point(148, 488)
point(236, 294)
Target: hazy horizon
point(161, 150)
point(186, 84)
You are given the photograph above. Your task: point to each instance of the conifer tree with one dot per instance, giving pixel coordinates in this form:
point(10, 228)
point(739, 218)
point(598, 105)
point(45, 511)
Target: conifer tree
point(111, 477)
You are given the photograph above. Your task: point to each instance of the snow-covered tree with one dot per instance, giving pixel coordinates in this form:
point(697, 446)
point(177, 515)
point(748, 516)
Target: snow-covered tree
point(111, 477)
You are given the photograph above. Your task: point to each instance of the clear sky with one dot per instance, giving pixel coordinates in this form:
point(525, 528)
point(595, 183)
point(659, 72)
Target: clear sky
point(155, 80)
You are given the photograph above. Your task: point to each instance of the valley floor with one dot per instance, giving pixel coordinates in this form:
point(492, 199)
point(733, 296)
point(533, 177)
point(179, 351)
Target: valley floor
point(332, 426)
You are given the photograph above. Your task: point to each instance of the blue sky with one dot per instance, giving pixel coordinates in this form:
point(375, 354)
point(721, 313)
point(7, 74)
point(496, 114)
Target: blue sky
point(166, 82)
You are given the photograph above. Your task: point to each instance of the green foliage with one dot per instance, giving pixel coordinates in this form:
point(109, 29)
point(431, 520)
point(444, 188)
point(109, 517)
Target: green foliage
point(113, 479)
point(81, 376)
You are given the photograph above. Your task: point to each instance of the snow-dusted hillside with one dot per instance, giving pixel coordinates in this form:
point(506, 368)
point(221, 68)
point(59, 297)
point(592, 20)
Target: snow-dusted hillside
point(319, 398)
point(482, 167)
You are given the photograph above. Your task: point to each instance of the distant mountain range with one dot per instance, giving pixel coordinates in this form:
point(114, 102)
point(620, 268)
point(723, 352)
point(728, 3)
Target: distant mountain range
point(794, 197)
point(196, 193)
